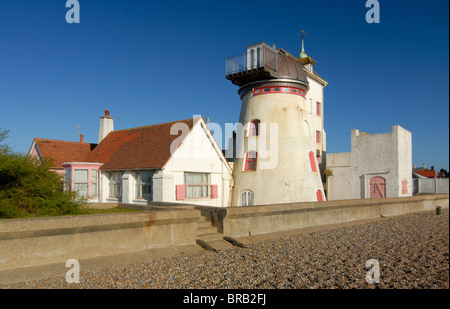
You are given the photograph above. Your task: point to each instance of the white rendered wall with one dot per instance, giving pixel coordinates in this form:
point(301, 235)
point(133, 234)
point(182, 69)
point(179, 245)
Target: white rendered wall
point(316, 122)
point(291, 178)
point(198, 153)
point(387, 155)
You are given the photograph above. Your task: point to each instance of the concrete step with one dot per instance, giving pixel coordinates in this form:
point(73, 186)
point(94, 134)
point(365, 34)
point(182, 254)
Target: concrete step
point(210, 236)
point(203, 224)
point(206, 230)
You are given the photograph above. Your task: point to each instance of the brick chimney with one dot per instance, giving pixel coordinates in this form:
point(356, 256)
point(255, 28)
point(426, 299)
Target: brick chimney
point(106, 126)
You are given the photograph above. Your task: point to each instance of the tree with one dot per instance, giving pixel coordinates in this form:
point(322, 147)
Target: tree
point(3, 136)
point(29, 188)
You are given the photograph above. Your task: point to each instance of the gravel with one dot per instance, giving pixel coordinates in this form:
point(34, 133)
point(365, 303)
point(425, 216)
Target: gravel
point(412, 252)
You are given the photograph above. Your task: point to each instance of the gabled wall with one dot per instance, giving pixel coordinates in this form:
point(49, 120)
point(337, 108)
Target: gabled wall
point(198, 153)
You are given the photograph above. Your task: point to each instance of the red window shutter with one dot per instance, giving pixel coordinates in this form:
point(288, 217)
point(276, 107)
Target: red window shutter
point(404, 187)
point(214, 191)
point(180, 192)
point(319, 196)
point(312, 161)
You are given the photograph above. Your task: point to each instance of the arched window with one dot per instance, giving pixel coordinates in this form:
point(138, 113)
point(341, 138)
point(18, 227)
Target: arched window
point(312, 161)
point(251, 160)
point(246, 198)
point(306, 128)
point(254, 128)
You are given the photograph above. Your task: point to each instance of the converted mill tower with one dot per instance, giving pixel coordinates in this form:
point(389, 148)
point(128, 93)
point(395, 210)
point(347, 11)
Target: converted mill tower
point(277, 150)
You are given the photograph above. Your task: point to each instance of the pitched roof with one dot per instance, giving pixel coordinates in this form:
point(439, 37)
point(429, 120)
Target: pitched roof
point(63, 151)
point(137, 148)
point(427, 173)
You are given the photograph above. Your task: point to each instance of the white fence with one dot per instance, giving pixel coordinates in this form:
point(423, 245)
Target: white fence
point(431, 185)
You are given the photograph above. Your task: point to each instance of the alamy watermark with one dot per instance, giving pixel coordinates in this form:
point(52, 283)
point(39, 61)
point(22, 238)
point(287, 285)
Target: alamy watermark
point(73, 14)
point(373, 275)
point(73, 275)
point(373, 15)
point(265, 145)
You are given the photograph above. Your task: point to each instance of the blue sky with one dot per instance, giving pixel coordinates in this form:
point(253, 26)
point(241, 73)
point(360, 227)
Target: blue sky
point(156, 61)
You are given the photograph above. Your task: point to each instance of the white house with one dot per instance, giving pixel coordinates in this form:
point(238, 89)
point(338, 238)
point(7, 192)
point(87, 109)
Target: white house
point(170, 162)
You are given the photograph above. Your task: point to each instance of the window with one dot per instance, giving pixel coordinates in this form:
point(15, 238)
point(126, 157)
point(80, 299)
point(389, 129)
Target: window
point(291, 90)
point(250, 162)
point(318, 137)
point(144, 185)
point(67, 179)
point(115, 185)
point(94, 182)
point(246, 198)
point(197, 185)
point(81, 182)
point(318, 109)
point(254, 128)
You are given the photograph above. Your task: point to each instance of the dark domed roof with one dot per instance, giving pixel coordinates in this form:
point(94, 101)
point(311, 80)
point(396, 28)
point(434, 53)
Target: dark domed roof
point(289, 68)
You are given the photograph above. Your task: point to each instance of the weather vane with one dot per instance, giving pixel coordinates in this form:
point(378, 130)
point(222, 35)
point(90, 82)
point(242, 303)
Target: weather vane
point(302, 33)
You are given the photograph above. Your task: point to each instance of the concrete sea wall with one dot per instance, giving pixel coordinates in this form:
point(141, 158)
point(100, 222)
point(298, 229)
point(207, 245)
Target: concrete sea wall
point(42, 241)
point(242, 221)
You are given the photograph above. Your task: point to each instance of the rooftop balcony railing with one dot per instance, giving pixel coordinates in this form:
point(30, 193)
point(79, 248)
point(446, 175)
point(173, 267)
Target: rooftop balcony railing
point(257, 56)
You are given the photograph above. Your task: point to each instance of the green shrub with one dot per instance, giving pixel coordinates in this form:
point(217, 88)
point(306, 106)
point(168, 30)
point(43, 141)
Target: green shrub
point(29, 187)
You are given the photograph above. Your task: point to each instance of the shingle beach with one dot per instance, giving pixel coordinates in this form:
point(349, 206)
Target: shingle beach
point(412, 252)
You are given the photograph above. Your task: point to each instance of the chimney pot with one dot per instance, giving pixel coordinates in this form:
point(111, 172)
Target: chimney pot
point(81, 138)
point(106, 113)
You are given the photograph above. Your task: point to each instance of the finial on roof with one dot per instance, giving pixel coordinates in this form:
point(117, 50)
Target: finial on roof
point(303, 53)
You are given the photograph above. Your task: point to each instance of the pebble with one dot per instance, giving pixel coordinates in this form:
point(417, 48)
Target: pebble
point(412, 251)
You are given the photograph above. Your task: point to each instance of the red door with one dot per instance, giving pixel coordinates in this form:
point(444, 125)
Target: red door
point(377, 187)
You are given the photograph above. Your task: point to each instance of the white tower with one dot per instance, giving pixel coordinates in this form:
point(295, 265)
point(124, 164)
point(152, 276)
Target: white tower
point(276, 158)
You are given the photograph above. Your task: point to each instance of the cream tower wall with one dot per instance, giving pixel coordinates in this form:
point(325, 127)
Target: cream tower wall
point(285, 175)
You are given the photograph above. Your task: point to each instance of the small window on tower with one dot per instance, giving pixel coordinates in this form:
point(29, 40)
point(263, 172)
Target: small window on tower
point(254, 128)
point(319, 109)
point(250, 162)
point(318, 137)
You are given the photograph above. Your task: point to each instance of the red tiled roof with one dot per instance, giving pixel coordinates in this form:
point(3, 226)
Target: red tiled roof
point(137, 148)
point(427, 173)
point(63, 151)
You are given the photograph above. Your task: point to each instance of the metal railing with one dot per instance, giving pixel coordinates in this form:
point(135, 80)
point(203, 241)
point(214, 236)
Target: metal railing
point(256, 57)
